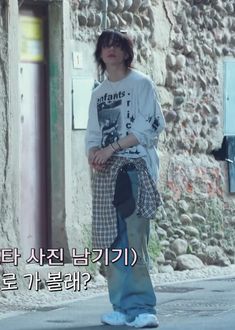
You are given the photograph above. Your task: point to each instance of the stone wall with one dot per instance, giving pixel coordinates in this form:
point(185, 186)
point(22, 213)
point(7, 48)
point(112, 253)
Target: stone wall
point(181, 45)
point(86, 20)
point(195, 185)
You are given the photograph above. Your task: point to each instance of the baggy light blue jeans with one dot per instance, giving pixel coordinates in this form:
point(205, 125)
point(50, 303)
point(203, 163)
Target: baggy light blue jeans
point(130, 287)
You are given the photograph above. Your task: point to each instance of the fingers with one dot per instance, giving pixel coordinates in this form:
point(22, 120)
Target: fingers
point(95, 161)
point(99, 157)
point(91, 156)
point(99, 167)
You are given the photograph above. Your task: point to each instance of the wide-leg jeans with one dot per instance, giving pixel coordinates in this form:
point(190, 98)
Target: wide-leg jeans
point(130, 287)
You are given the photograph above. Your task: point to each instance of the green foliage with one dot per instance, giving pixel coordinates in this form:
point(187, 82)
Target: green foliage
point(154, 247)
point(189, 249)
point(213, 212)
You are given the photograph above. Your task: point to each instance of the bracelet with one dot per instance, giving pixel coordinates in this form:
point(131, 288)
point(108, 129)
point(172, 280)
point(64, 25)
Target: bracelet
point(113, 147)
point(120, 148)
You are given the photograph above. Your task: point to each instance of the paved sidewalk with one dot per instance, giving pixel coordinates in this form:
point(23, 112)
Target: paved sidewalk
point(203, 305)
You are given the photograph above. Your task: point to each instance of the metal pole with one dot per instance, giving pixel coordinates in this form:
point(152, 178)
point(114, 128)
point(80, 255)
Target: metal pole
point(104, 16)
point(103, 26)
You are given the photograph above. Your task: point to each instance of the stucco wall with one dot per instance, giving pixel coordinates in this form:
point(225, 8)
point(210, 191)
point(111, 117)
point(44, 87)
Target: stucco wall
point(4, 126)
point(80, 230)
point(181, 45)
point(9, 172)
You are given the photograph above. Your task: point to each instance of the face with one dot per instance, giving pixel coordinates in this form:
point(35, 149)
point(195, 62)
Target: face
point(113, 55)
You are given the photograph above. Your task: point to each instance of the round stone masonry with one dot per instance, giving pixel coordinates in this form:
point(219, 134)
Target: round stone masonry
point(170, 116)
point(135, 6)
point(127, 4)
point(185, 219)
point(82, 19)
point(112, 5)
point(197, 218)
point(179, 246)
point(214, 255)
point(113, 20)
point(84, 4)
point(188, 261)
point(191, 63)
point(128, 17)
point(191, 231)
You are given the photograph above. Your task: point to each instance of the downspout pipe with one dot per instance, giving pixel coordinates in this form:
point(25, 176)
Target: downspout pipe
point(103, 26)
point(104, 14)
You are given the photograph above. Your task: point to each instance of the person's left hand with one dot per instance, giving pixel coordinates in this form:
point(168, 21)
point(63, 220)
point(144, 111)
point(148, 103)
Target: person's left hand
point(102, 155)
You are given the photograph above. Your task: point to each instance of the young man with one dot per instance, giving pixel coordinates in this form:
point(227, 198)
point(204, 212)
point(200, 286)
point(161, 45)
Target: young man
point(125, 120)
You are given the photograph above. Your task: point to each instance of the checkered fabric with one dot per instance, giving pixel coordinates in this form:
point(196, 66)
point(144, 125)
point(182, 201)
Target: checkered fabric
point(104, 216)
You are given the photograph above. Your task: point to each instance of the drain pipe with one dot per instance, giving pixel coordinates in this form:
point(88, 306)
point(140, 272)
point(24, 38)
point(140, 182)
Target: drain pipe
point(104, 14)
point(103, 26)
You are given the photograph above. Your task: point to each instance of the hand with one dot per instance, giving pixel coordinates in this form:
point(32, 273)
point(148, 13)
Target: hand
point(98, 167)
point(102, 155)
point(91, 155)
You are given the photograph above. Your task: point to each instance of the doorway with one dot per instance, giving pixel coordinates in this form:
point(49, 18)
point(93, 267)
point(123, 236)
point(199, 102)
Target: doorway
point(34, 128)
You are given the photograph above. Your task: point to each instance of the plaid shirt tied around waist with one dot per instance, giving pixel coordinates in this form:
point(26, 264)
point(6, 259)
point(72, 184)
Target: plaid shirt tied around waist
point(104, 214)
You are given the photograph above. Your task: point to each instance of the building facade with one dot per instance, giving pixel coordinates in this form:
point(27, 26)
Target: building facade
point(47, 72)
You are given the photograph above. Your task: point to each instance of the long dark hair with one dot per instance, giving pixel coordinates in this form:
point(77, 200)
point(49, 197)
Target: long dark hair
point(110, 38)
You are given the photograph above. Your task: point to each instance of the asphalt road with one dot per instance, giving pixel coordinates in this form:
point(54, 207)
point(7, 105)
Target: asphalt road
point(198, 305)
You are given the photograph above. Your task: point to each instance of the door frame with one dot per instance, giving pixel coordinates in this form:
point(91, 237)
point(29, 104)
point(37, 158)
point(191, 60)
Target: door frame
point(60, 118)
point(226, 60)
point(60, 122)
point(230, 135)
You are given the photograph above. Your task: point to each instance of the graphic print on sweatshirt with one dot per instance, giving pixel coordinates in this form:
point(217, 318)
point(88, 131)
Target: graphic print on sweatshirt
point(114, 117)
point(109, 116)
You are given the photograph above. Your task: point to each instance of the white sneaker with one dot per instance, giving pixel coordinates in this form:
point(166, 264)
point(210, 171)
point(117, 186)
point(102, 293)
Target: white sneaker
point(114, 318)
point(144, 320)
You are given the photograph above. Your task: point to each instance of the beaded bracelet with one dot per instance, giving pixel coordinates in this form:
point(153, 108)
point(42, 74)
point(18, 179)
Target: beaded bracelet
point(120, 148)
point(113, 147)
